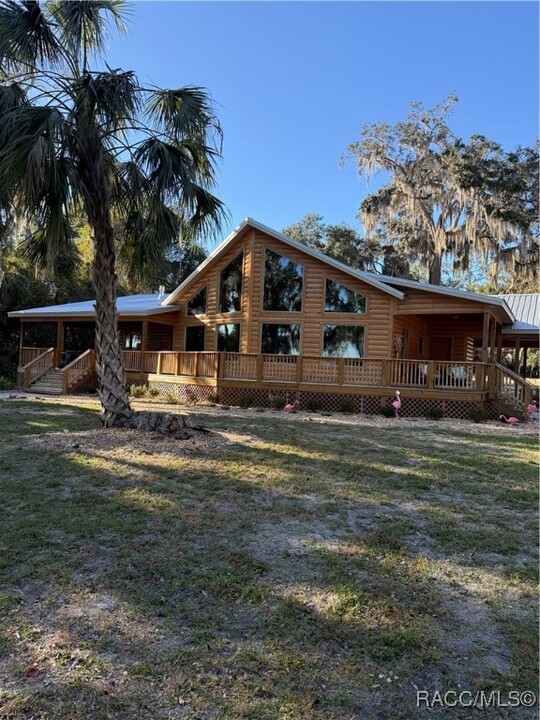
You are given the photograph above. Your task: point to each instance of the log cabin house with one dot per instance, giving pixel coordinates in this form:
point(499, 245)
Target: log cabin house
point(267, 316)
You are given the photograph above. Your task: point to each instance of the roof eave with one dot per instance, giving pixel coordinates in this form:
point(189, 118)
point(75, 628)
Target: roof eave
point(87, 313)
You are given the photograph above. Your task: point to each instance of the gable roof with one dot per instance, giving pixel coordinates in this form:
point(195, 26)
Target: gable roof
point(369, 278)
point(127, 305)
point(385, 283)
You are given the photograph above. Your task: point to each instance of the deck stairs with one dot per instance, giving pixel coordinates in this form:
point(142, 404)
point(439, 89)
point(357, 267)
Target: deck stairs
point(51, 383)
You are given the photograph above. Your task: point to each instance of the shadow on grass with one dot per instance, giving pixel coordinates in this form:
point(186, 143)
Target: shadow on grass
point(195, 618)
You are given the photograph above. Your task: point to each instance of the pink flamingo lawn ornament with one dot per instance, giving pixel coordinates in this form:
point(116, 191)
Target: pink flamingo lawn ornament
point(293, 407)
point(396, 404)
point(510, 420)
point(531, 409)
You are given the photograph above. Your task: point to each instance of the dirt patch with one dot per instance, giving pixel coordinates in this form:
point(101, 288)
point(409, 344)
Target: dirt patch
point(132, 442)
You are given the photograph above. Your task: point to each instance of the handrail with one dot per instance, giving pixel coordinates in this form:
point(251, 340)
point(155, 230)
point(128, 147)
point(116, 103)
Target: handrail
point(512, 388)
point(37, 367)
point(514, 375)
point(77, 368)
point(28, 354)
point(430, 375)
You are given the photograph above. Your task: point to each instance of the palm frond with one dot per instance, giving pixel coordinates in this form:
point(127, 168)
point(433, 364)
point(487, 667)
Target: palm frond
point(84, 25)
point(109, 98)
point(185, 112)
point(27, 37)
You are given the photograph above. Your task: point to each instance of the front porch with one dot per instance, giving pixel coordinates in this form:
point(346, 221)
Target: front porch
point(236, 377)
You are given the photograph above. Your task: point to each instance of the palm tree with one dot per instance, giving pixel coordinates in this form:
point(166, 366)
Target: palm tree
point(75, 139)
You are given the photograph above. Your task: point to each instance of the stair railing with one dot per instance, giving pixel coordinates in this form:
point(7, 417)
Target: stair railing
point(512, 388)
point(37, 367)
point(77, 369)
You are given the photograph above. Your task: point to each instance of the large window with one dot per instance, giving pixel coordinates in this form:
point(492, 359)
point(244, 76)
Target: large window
point(228, 337)
point(230, 286)
point(338, 298)
point(280, 339)
point(283, 281)
point(343, 341)
point(197, 304)
point(195, 338)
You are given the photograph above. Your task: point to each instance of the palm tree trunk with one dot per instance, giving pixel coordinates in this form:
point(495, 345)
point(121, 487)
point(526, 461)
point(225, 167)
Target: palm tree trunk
point(112, 391)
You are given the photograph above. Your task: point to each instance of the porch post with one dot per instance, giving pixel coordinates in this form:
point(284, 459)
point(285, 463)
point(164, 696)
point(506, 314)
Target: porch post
point(499, 347)
point(492, 340)
point(59, 343)
point(525, 363)
point(518, 353)
point(21, 341)
point(485, 338)
point(144, 338)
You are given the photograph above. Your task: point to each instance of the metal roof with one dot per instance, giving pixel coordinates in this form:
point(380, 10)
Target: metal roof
point(369, 278)
point(526, 309)
point(127, 305)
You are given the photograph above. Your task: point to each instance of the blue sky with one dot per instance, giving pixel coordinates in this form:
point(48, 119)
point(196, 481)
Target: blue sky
point(294, 82)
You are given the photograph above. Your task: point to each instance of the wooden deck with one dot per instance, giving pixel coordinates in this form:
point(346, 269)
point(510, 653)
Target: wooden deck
point(469, 381)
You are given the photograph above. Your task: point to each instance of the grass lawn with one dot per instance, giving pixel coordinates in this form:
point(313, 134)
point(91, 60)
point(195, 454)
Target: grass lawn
point(277, 568)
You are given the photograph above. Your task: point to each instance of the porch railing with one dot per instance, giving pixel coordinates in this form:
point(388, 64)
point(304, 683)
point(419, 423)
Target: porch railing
point(78, 369)
point(37, 367)
point(356, 371)
point(30, 353)
point(314, 370)
point(511, 388)
point(170, 362)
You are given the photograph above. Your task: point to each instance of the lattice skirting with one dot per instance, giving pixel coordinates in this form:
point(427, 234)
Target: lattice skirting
point(86, 384)
point(184, 393)
point(329, 402)
point(495, 408)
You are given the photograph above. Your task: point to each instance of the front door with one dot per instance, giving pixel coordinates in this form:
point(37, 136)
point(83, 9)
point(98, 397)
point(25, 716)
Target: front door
point(440, 348)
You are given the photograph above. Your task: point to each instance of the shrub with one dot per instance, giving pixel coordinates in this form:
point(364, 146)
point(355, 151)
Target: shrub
point(277, 402)
point(170, 399)
point(153, 391)
point(138, 390)
point(346, 405)
point(6, 384)
point(213, 398)
point(191, 398)
point(477, 414)
point(435, 413)
point(313, 405)
point(246, 401)
point(388, 411)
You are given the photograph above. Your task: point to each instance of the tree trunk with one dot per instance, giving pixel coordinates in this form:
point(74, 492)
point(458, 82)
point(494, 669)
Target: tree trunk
point(435, 269)
point(112, 390)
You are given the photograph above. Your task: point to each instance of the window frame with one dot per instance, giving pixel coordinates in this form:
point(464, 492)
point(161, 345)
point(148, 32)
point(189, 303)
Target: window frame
point(195, 325)
point(344, 312)
point(188, 314)
point(219, 311)
point(239, 335)
point(301, 330)
point(345, 357)
point(285, 313)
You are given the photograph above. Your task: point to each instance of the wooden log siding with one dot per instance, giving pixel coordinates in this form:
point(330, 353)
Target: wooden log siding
point(312, 318)
point(212, 318)
point(421, 313)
